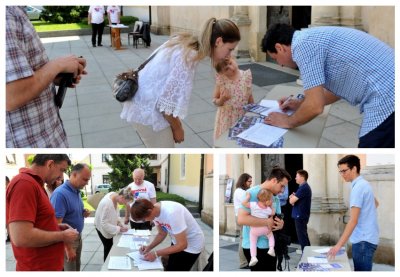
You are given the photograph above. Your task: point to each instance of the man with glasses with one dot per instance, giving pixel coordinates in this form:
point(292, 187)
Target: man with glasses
point(362, 228)
point(275, 183)
point(140, 188)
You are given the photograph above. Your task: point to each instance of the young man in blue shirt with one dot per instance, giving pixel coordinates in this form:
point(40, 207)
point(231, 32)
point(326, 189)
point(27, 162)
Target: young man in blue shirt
point(362, 229)
point(301, 202)
point(337, 63)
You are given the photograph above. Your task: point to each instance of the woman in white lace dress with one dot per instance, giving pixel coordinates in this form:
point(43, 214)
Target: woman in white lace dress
point(165, 84)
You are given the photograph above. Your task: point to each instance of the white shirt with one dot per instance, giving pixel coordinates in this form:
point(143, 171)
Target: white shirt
point(113, 12)
point(146, 190)
point(97, 14)
point(174, 218)
point(165, 85)
point(107, 217)
point(258, 211)
point(238, 197)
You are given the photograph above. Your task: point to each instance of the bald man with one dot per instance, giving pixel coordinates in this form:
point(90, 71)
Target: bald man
point(140, 188)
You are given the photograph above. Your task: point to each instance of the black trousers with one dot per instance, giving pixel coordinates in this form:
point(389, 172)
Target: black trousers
point(97, 30)
point(181, 261)
point(141, 225)
point(301, 231)
point(265, 261)
point(107, 243)
point(380, 137)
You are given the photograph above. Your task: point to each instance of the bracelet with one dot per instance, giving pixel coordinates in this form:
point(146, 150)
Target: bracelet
point(155, 254)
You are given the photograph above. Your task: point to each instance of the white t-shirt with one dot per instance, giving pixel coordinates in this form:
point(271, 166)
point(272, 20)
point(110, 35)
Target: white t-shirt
point(113, 12)
point(258, 211)
point(107, 217)
point(238, 197)
point(97, 13)
point(174, 219)
point(146, 190)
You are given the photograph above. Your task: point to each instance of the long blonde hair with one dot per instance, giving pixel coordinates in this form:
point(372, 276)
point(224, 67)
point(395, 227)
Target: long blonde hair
point(212, 29)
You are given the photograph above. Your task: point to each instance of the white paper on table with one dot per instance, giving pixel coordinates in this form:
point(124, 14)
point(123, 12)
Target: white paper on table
point(135, 245)
point(129, 232)
point(120, 263)
point(125, 241)
point(274, 107)
point(325, 251)
point(142, 264)
point(263, 134)
point(141, 233)
point(317, 260)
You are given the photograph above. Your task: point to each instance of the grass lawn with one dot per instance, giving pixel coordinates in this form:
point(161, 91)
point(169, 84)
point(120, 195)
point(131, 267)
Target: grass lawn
point(41, 26)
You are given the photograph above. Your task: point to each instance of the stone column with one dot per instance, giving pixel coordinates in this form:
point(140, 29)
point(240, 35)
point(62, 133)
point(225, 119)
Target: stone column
point(160, 16)
point(221, 196)
point(325, 15)
point(350, 16)
point(208, 192)
point(258, 15)
point(242, 20)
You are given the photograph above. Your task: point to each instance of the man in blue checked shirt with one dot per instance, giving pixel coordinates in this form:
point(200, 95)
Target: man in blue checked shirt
point(337, 63)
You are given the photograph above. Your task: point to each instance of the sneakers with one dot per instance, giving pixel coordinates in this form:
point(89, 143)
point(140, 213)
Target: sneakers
point(253, 261)
point(271, 252)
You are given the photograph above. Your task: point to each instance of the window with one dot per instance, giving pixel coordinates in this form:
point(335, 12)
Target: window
point(104, 157)
point(10, 159)
point(106, 179)
point(183, 166)
point(153, 157)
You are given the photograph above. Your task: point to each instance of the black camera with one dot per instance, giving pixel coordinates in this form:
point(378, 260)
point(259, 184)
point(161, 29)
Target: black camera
point(280, 216)
point(67, 79)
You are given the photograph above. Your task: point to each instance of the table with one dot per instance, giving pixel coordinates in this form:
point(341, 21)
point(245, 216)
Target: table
point(343, 260)
point(305, 136)
point(122, 251)
point(116, 35)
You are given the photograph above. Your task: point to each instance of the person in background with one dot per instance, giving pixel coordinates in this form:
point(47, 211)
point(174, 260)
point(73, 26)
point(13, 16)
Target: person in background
point(96, 19)
point(283, 197)
point(301, 202)
point(113, 14)
point(50, 188)
point(140, 188)
point(243, 183)
point(106, 219)
point(37, 239)
point(362, 229)
point(32, 117)
point(68, 205)
point(166, 82)
point(173, 219)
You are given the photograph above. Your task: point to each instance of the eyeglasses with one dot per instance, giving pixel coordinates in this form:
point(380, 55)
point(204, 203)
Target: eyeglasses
point(343, 171)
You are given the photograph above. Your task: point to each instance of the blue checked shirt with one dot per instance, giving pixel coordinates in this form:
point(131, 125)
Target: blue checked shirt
point(351, 64)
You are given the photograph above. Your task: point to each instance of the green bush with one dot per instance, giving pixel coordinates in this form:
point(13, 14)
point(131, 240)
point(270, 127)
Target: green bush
point(64, 14)
point(162, 196)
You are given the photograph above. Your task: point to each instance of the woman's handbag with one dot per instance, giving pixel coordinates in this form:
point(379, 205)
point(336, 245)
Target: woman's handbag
point(126, 84)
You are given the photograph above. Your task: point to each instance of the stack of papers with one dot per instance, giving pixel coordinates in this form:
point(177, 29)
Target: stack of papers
point(262, 134)
point(325, 250)
point(119, 263)
point(142, 264)
point(132, 242)
point(319, 266)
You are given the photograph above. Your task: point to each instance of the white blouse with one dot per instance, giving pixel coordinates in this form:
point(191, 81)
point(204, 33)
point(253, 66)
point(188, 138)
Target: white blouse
point(165, 85)
point(107, 217)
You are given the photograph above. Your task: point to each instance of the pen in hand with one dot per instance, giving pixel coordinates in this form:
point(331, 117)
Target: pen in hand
point(287, 101)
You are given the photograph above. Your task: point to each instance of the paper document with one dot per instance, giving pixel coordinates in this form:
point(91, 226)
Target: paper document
point(325, 250)
point(142, 264)
point(262, 134)
point(318, 260)
point(141, 232)
point(120, 263)
point(132, 242)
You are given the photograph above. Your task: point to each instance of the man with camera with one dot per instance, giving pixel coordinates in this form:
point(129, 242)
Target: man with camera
point(276, 181)
point(301, 202)
point(32, 117)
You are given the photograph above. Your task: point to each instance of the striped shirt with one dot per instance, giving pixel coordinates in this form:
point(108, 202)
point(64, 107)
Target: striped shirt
point(37, 123)
point(351, 64)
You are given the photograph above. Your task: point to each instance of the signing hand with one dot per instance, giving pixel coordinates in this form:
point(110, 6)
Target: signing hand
point(277, 119)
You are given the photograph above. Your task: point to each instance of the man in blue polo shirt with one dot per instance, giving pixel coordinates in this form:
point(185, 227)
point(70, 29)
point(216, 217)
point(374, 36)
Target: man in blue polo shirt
point(301, 202)
point(362, 228)
point(68, 205)
point(275, 183)
point(337, 63)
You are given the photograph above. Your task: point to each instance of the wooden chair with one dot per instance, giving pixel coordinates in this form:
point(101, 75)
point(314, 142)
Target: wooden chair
point(136, 30)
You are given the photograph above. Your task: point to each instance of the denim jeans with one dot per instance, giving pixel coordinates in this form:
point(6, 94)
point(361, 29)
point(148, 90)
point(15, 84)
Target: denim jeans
point(363, 253)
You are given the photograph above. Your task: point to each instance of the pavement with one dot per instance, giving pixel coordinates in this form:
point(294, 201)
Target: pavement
point(229, 258)
point(91, 114)
point(92, 248)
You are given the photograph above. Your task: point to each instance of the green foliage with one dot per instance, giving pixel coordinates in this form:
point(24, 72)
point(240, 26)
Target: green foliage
point(122, 166)
point(162, 196)
point(64, 14)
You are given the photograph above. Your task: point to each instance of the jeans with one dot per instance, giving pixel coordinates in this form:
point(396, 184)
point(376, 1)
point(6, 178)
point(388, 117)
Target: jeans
point(301, 230)
point(363, 253)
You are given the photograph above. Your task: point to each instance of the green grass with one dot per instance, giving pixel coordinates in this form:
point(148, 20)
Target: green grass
point(41, 26)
